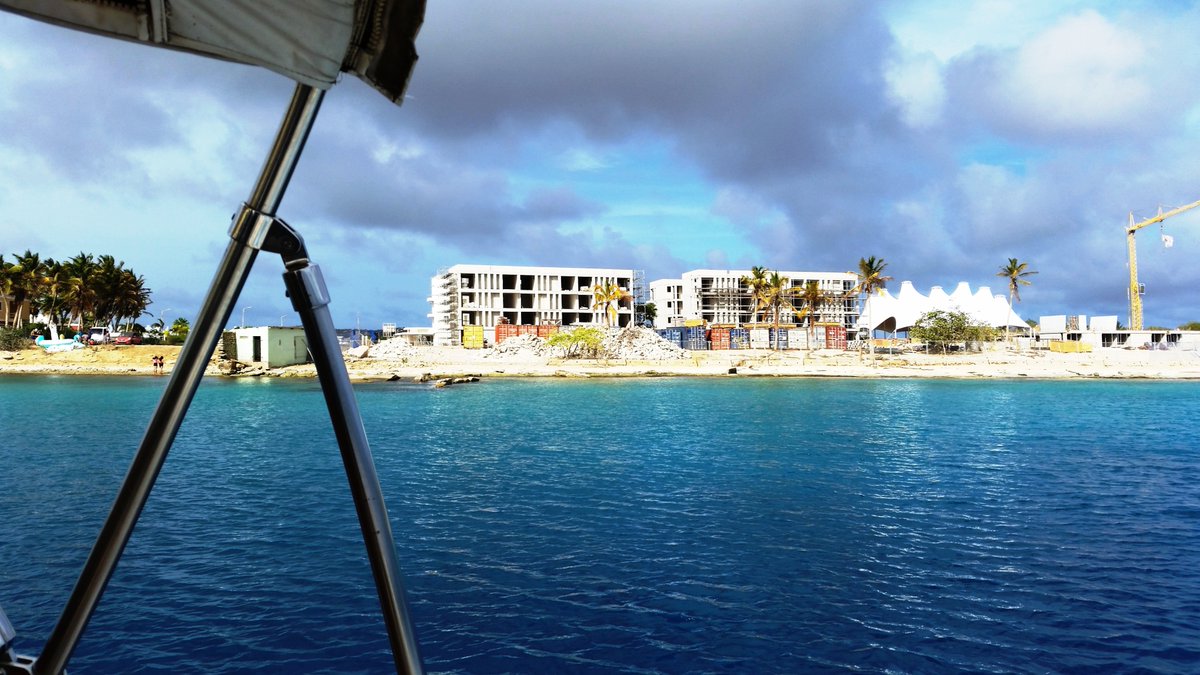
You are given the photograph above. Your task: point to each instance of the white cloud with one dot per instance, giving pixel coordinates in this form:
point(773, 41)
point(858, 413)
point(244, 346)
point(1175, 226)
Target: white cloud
point(1082, 74)
point(915, 84)
point(582, 159)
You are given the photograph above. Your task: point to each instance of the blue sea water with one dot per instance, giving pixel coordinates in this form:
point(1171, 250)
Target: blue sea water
point(626, 526)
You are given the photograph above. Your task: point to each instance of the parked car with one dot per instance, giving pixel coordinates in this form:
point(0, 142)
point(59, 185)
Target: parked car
point(127, 340)
point(98, 335)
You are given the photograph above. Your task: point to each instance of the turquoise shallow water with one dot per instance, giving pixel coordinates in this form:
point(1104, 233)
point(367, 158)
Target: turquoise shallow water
point(642, 526)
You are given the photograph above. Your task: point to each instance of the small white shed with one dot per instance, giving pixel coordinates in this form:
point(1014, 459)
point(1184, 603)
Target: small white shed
point(271, 346)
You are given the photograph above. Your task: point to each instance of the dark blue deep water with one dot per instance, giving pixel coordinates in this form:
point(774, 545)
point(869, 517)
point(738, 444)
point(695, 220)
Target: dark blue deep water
point(636, 526)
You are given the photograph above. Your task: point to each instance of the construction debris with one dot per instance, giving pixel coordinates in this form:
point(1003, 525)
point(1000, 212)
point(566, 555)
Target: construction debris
point(519, 347)
point(635, 343)
point(393, 350)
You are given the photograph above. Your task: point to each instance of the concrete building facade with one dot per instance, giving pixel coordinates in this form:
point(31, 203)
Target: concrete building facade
point(271, 346)
point(721, 297)
point(487, 295)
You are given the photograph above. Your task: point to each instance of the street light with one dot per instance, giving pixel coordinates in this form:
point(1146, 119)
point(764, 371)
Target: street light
point(244, 316)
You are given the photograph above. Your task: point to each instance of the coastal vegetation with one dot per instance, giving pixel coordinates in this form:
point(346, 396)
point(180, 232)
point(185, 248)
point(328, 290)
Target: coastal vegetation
point(581, 343)
point(83, 290)
point(774, 297)
point(1015, 272)
point(945, 331)
point(178, 333)
point(756, 283)
point(811, 296)
point(608, 297)
point(13, 339)
point(871, 280)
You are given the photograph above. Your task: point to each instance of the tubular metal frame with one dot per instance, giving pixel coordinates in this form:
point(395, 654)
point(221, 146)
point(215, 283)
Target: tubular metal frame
point(255, 228)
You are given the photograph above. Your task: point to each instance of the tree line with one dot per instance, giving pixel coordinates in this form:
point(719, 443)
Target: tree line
point(84, 289)
point(772, 293)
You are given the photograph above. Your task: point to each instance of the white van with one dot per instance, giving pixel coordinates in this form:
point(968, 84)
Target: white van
point(98, 335)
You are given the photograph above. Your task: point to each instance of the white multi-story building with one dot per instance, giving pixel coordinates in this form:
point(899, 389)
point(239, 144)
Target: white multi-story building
point(667, 296)
point(486, 295)
point(722, 297)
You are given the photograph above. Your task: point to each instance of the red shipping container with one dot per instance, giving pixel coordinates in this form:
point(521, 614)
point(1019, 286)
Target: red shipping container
point(719, 338)
point(505, 331)
point(835, 337)
point(527, 330)
point(546, 330)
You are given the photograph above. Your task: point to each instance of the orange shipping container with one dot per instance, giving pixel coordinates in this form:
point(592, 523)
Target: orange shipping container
point(505, 331)
point(719, 338)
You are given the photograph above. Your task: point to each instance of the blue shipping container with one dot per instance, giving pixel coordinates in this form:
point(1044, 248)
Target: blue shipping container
point(672, 335)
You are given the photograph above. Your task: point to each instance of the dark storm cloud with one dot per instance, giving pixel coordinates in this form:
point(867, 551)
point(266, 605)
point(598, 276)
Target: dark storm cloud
point(747, 90)
point(473, 208)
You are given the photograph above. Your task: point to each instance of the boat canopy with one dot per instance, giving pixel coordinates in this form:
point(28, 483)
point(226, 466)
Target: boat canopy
point(309, 41)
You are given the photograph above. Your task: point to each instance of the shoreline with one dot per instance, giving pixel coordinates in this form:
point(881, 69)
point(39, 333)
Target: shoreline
point(995, 363)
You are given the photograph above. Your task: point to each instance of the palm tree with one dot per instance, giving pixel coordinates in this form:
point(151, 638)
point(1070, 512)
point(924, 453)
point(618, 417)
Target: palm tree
point(608, 296)
point(1015, 272)
point(6, 284)
point(870, 280)
point(756, 283)
point(26, 274)
point(48, 301)
point(79, 294)
point(107, 284)
point(812, 296)
point(774, 298)
point(131, 297)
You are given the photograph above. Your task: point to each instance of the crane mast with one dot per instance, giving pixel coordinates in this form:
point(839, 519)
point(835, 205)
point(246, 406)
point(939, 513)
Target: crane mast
point(1135, 295)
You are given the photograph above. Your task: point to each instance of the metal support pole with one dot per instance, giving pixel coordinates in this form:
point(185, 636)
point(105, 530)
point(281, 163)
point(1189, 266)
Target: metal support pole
point(310, 298)
point(249, 229)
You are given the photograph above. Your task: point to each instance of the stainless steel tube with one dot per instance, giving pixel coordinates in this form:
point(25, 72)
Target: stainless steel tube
point(310, 298)
point(181, 388)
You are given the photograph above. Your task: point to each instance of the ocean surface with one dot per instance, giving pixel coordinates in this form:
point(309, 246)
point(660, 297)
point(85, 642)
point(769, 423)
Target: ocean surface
point(624, 526)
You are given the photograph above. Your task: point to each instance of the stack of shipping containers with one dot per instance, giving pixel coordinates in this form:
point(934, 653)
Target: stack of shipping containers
point(508, 330)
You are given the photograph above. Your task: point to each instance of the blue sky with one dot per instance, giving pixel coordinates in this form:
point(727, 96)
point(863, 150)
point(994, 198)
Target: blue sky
point(943, 137)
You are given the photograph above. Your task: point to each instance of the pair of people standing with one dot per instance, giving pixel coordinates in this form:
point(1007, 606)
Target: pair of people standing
point(158, 362)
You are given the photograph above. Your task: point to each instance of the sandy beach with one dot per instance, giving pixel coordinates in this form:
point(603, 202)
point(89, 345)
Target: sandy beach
point(438, 362)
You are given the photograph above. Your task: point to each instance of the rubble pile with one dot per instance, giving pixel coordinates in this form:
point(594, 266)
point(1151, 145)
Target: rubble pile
point(522, 345)
point(640, 344)
point(393, 350)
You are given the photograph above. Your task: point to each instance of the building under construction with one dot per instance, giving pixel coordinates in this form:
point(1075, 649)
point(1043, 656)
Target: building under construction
point(723, 298)
point(492, 295)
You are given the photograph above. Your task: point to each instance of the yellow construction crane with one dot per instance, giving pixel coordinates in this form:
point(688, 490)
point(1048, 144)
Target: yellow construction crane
point(1135, 291)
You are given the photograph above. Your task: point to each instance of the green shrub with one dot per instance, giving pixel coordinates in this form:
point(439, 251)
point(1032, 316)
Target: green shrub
point(578, 343)
point(944, 331)
point(14, 339)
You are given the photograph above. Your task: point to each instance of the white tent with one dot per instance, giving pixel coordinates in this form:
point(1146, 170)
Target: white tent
point(889, 313)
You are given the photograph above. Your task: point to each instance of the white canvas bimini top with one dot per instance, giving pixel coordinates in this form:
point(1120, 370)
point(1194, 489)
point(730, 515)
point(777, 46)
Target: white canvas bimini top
point(309, 41)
